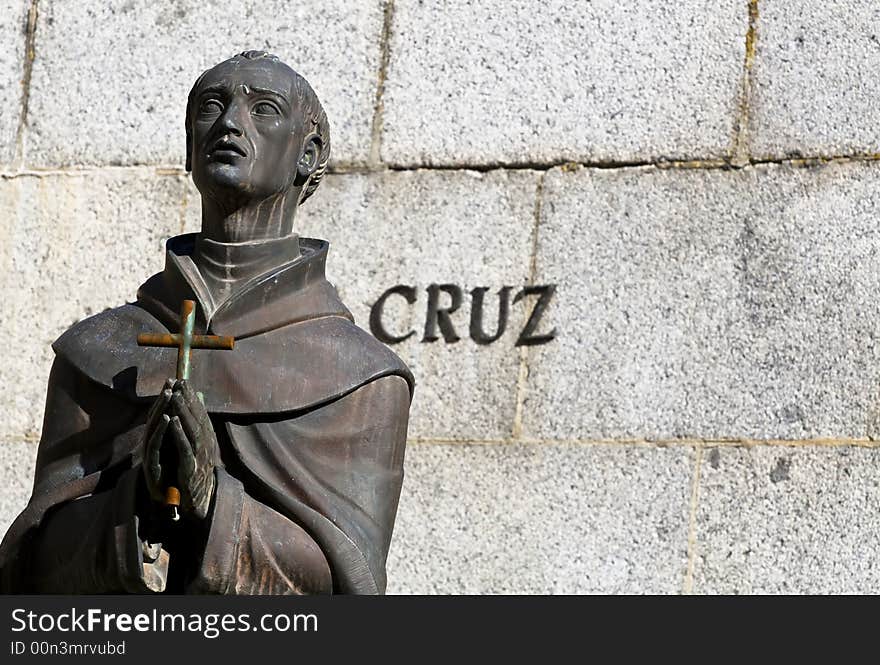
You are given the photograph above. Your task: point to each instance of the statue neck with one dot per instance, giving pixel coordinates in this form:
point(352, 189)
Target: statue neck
point(249, 220)
point(227, 267)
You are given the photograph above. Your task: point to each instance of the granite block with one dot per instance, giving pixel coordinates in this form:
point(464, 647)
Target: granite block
point(709, 304)
point(785, 520)
point(814, 79)
point(13, 32)
point(501, 519)
point(515, 82)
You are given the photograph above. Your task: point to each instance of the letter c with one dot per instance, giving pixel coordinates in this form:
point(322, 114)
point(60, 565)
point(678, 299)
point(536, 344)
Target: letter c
point(376, 326)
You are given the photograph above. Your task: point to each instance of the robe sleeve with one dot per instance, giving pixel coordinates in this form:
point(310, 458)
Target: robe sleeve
point(91, 545)
point(80, 530)
point(252, 549)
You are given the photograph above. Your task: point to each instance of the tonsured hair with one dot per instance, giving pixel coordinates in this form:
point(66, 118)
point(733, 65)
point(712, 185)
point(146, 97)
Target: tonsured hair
point(304, 99)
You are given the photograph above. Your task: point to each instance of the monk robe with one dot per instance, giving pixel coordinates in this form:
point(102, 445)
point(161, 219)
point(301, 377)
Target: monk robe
point(310, 413)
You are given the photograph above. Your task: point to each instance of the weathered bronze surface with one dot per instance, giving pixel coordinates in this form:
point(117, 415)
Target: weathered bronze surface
point(285, 451)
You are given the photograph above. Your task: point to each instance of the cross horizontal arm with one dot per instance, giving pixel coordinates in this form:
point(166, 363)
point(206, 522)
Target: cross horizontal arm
point(222, 342)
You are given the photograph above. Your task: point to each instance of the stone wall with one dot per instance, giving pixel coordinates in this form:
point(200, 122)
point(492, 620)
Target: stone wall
point(698, 179)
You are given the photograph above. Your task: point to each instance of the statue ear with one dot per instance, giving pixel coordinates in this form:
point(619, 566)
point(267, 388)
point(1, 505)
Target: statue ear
point(310, 158)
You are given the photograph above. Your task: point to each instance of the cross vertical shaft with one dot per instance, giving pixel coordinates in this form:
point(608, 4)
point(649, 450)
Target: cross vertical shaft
point(184, 350)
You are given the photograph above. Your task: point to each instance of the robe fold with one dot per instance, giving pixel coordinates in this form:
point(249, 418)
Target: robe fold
point(310, 414)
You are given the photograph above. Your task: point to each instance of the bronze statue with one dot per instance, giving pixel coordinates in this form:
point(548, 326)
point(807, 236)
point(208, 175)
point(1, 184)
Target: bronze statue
point(284, 451)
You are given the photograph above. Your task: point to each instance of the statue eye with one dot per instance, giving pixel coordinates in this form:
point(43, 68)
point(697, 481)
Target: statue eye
point(266, 108)
point(211, 107)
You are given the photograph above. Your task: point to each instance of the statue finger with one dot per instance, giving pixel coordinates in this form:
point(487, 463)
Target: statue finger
point(157, 410)
point(154, 443)
point(205, 448)
point(191, 426)
point(191, 397)
point(153, 467)
point(186, 468)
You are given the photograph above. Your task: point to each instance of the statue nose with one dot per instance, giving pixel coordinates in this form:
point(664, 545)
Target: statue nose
point(231, 122)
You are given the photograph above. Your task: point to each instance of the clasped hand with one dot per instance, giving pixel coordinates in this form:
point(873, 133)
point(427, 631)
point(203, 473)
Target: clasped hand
point(179, 418)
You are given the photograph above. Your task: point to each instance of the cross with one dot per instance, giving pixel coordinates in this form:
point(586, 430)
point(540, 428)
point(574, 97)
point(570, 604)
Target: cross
point(185, 342)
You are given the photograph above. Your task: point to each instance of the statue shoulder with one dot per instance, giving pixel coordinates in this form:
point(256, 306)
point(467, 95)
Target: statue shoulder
point(112, 326)
point(102, 345)
point(354, 351)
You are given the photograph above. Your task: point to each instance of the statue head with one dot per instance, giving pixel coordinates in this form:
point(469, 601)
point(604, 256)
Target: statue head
point(255, 129)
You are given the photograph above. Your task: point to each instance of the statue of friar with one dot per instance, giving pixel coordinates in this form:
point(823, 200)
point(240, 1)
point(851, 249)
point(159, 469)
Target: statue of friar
point(285, 453)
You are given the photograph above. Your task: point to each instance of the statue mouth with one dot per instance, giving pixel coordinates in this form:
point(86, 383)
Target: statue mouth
point(226, 148)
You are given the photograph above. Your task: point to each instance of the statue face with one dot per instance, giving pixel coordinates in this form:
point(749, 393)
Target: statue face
point(246, 136)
